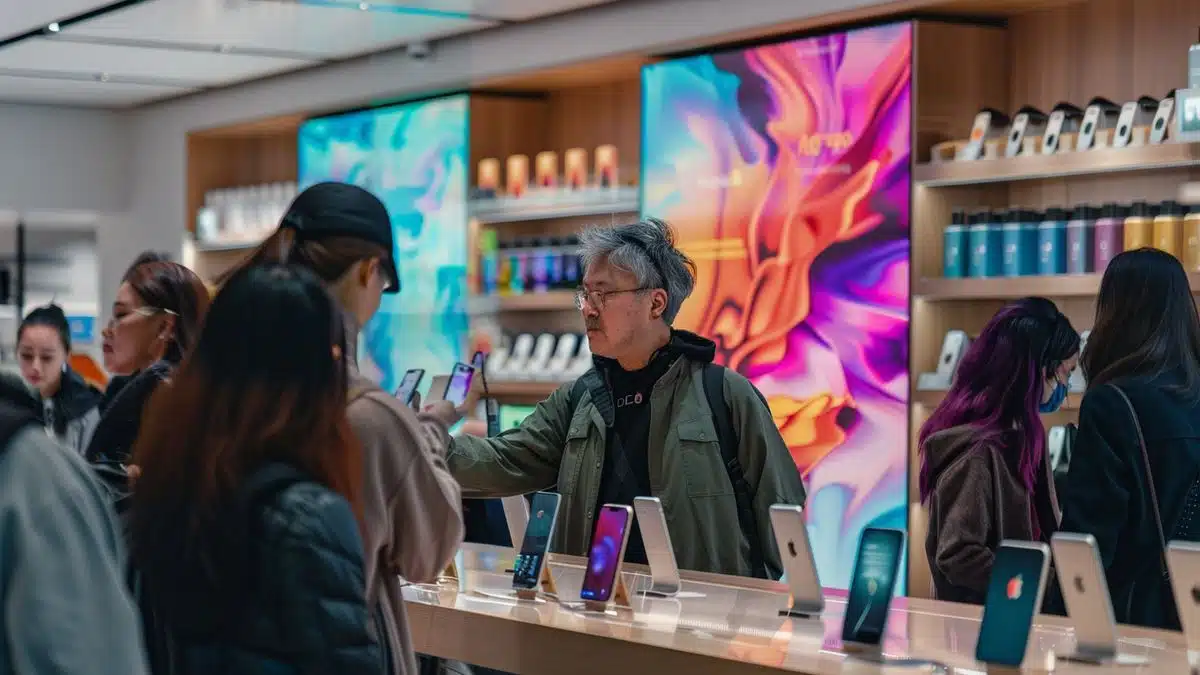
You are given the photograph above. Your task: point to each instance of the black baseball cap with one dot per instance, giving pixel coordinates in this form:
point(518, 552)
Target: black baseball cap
point(342, 210)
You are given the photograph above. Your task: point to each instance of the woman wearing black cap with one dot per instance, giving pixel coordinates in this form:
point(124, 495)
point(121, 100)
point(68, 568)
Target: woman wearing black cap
point(411, 503)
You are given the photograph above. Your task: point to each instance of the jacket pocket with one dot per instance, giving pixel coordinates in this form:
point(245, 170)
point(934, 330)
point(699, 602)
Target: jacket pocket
point(700, 453)
point(574, 454)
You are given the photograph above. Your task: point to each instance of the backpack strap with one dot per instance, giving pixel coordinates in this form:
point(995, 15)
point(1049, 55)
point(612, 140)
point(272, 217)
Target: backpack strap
point(714, 391)
point(593, 381)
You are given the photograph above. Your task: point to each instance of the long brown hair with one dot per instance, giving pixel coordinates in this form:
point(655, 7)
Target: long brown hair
point(167, 285)
point(266, 383)
point(328, 257)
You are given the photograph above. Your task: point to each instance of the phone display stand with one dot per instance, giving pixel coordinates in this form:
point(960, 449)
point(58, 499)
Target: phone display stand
point(619, 599)
point(450, 573)
point(800, 612)
point(546, 583)
point(1104, 658)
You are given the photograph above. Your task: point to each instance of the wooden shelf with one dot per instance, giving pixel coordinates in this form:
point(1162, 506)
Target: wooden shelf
point(1040, 167)
point(930, 399)
point(548, 301)
point(1011, 288)
point(521, 391)
point(592, 202)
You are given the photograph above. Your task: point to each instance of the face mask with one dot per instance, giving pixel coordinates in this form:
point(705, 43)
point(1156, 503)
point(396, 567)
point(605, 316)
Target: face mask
point(1056, 398)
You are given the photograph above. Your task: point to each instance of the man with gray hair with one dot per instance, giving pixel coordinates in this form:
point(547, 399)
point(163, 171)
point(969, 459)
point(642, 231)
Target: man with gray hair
point(654, 417)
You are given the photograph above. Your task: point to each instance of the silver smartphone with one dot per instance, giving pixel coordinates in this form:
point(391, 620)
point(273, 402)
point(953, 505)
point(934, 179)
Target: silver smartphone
point(791, 536)
point(660, 553)
point(516, 515)
point(1183, 562)
point(1085, 592)
point(1014, 597)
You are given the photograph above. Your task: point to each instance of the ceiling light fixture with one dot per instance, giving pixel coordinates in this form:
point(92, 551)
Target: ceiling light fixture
point(225, 49)
point(54, 27)
point(103, 77)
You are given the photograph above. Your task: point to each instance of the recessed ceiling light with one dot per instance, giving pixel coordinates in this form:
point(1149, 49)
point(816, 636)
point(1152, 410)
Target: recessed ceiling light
point(54, 27)
point(103, 77)
point(225, 49)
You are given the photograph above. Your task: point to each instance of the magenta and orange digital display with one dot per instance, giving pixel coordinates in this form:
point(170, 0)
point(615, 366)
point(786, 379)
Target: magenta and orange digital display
point(604, 559)
point(784, 169)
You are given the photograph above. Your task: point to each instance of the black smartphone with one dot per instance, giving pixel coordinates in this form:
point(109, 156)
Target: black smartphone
point(1013, 597)
point(876, 570)
point(408, 384)
point(543, 514)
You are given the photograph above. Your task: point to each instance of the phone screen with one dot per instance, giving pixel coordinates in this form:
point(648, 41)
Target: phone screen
point(408, 385)
point(872, 586)
point(604, 558)
point(459, 384)
point(1013, 597)
point(527, 569)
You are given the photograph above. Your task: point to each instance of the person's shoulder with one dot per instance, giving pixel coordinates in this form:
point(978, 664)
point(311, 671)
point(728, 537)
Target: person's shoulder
point(370, 409)
point(34, 466)
point(313, 515)
point(738, 388)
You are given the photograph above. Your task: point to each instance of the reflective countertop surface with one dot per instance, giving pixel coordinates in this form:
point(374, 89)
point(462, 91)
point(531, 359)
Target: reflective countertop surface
point(738, 620)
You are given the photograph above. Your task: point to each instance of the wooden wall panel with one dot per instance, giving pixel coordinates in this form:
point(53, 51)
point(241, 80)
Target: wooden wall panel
point(506, 125)
point(1119, 49)
point(217, 161)
point(597, 115)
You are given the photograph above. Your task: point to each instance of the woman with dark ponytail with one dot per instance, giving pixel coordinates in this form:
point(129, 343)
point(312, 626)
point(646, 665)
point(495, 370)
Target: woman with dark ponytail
point(68, 402)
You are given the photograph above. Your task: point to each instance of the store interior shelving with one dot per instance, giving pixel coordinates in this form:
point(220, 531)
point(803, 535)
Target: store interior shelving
point(1039, 56)
point(262, 152)
point(547, 112)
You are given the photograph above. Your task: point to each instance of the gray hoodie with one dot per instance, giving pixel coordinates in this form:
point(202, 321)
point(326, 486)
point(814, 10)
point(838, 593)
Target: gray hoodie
point(62, 587)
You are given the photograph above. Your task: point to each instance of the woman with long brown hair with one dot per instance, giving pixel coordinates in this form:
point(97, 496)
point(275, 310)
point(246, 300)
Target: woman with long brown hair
point(244, 524)
point(411, 504)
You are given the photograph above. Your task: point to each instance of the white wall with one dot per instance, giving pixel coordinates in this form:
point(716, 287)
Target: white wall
point(63, 158)
point(632, 26)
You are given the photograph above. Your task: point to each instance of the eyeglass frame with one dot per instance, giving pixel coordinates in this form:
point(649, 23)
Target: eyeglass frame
point(143, 311)
point(583, 294)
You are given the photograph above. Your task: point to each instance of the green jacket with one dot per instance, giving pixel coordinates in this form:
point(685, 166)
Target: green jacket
point(553, 449)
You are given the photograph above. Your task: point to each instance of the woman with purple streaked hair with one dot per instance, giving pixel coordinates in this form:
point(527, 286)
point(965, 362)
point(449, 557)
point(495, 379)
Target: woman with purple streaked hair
point(984, 472)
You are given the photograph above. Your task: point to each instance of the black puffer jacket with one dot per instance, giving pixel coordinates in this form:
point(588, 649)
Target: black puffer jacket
point(296, 605)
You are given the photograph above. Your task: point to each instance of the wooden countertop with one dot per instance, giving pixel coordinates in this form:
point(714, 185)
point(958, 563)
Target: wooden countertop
point(717, 625)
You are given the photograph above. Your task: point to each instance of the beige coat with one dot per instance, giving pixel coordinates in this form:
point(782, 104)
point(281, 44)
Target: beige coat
point(412, 505)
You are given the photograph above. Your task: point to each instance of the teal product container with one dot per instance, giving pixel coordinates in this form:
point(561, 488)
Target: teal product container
point(518, 259)
point(954, 247)
point(985, 237)
point(489, 261)
point(1052, 243)
point(1013, 245)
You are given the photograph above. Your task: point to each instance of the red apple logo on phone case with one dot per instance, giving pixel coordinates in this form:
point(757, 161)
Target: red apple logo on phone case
point(1014, 587)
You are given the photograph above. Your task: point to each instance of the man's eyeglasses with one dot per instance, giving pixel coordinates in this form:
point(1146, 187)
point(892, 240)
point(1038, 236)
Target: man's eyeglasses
point(596, 299)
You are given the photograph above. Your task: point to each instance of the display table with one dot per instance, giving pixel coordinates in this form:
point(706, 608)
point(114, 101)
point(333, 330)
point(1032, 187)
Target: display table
point(720, 624)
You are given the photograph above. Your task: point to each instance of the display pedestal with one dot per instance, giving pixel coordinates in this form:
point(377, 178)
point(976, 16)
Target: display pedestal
point(1104, 658)
point(546, 583)
point(620, 598)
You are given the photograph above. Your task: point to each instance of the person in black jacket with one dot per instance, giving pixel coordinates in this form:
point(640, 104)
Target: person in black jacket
point(245, 517)
point(69, 403)
point(1144, 345)
point(155, 318)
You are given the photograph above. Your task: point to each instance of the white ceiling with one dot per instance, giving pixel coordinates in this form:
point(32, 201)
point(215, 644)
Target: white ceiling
point(162, 48)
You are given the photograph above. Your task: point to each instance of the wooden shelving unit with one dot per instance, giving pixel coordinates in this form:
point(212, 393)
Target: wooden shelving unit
point(1063, 165)
point(589, 203)
point(930, 399)
point(1042, 54)
point(550, 301)
point(522, 392)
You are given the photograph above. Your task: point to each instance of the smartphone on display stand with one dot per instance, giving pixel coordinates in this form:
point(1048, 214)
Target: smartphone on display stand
point(791, 536)
point(408, 384)
point(477, 360)
point(1183, 561)
point(602, 578)
point(664, 572)
point(535, 545)
point(460, 384)
point(1014, 596)
point(1089, 606)
point(876, 570)
point(516, 516)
